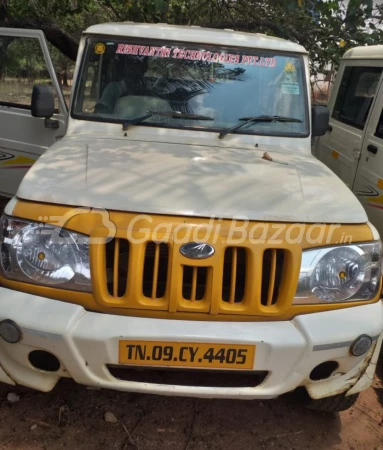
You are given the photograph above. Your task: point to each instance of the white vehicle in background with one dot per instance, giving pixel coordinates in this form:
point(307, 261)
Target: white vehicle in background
point(179, 238)
point(353, 144)
point(23, 138)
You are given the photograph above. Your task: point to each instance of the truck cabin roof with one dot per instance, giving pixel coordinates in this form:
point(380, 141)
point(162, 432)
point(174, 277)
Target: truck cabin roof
point(365, 52)
point(195, 34)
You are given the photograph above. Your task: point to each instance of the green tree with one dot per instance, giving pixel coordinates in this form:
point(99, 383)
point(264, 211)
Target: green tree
point(326, 28)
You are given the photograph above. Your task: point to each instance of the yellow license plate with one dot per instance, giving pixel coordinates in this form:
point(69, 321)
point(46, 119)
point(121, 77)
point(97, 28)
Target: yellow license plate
point(187, 354)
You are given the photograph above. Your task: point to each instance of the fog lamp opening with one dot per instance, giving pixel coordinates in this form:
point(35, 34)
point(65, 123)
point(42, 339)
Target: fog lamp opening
point(10, 331)
point(43, 360)
point(323, 370)
point(361, 345)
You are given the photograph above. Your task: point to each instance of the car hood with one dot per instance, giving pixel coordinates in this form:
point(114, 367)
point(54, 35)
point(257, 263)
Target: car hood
point(190, 180)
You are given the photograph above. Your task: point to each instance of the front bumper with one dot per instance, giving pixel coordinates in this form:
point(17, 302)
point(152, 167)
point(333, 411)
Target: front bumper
point(86, 342)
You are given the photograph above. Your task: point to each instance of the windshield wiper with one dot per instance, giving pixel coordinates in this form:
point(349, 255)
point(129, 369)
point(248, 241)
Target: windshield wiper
point(173, 114)
point(257, 119)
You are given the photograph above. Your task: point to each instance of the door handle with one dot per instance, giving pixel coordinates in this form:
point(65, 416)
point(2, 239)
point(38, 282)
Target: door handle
point(372, 149)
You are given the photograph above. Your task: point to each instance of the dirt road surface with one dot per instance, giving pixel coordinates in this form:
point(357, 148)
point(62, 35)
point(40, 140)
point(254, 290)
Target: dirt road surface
point(73, 417)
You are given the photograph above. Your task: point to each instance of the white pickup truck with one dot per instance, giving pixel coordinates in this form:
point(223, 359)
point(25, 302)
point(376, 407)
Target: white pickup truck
point(353, 144)
point(178, 237)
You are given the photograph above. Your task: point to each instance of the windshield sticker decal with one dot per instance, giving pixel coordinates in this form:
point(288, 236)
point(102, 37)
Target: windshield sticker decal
point(99, 48)
point(196, 55)
point(289, 67)
point(290, 88)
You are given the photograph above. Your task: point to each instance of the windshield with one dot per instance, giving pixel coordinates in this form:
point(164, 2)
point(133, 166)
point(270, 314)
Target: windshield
point(122, 80)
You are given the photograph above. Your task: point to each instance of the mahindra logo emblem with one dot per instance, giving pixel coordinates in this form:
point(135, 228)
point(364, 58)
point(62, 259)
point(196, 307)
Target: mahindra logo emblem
point(197, 250)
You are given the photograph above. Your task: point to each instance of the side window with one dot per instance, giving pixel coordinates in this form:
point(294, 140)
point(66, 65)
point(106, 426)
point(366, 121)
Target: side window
point(95, 78)
point(92, 87)
point(379, 128)
point(22, 65)
point(356, 94)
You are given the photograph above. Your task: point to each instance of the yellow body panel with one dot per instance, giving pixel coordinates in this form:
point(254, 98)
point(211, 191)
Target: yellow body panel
point(172, 305)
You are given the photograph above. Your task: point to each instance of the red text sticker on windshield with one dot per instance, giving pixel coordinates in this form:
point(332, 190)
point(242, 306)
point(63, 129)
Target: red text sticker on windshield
point(195, 55)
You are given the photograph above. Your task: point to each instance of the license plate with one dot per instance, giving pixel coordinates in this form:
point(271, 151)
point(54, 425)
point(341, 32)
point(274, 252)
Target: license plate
point(187, 354)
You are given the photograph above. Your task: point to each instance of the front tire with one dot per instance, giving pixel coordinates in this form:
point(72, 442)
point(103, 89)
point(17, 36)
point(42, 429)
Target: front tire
point(336, 403)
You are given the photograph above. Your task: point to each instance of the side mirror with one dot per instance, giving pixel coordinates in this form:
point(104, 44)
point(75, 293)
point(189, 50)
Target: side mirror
point(43, 101)
point(320, 117)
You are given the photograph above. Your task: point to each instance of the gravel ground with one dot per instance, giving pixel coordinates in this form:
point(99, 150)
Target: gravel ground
point(74, 417)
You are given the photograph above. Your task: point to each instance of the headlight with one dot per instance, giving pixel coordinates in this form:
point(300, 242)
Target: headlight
point(44, 255)
point(338, 274)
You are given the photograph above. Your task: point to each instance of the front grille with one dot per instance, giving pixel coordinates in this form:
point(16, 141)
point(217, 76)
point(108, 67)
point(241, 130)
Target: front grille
point(194, 283)
point(272, 269)
point(234, 275)
point(189, 377)
point(154, 275)
point(117, 257)
point(155, 270)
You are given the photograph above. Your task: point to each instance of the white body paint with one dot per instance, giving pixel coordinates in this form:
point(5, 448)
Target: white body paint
point(86, 342)
point(187, 177)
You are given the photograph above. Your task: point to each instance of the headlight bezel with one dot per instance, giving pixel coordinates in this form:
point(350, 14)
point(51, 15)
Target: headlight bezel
point(370, 251)
point(12, 232)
